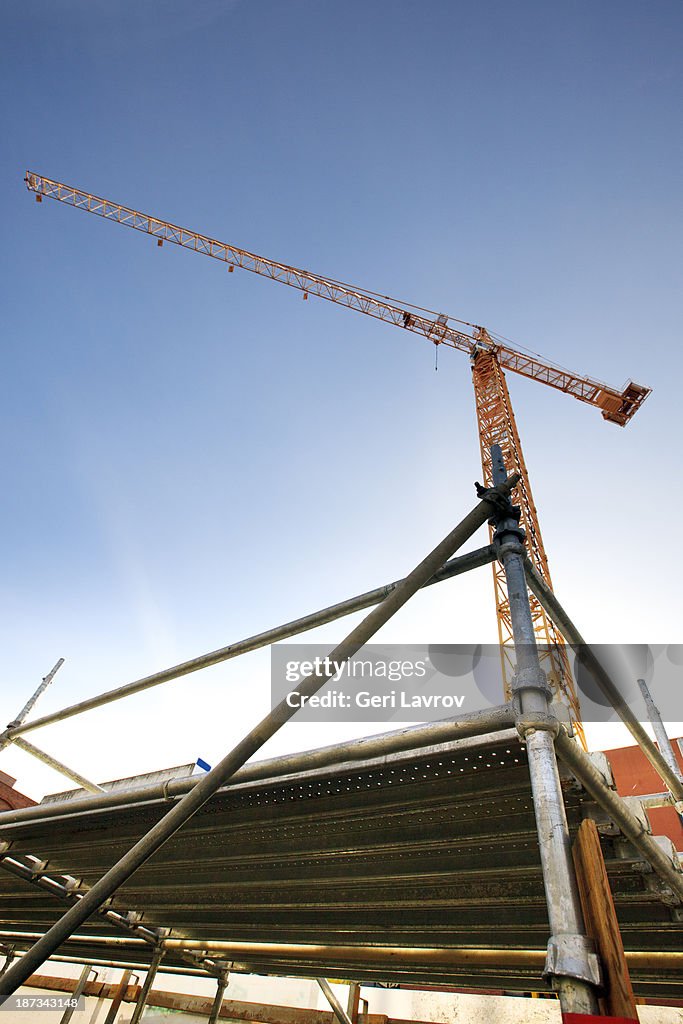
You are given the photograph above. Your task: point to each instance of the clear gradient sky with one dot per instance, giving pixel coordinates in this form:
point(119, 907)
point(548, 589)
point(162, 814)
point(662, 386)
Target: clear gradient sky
point(189, 458)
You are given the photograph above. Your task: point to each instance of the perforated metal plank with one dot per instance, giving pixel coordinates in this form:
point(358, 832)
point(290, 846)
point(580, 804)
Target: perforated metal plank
point(423, 850)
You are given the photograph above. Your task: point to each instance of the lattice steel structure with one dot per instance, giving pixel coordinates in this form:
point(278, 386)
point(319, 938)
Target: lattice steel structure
point(497, 425)
point(490, 357)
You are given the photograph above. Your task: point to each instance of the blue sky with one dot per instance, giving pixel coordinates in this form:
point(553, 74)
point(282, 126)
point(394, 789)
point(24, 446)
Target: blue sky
point(189, 458)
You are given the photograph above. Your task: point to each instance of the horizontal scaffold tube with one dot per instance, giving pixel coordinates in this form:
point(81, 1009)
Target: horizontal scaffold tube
point(606, 684)
point(416, 737)
point(189, 973)
point(256, 952)
point(640, 959)
point(454, 567)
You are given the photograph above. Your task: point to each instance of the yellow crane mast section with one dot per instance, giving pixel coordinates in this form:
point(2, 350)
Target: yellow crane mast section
point(497, 425)
point(616, 406)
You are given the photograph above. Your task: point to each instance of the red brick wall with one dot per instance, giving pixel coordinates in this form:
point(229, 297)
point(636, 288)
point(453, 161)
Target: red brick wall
point(11, 798)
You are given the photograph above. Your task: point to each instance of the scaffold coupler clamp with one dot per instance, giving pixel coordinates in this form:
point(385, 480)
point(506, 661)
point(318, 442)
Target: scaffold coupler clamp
point(224, 968)
point(532, 679)
point(526, 725)
point(573, 956)
point(8, 950)
point(501, 502)
point(508, 535)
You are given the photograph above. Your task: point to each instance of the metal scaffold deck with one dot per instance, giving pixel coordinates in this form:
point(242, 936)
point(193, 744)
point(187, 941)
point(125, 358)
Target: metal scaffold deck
point(420, 866)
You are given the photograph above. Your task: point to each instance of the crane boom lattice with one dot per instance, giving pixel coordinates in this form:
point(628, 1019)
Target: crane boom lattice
point(617, 406)
point(490, 358)
point(497, 425)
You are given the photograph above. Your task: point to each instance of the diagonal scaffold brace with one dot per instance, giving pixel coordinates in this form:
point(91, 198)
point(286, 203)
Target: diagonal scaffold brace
point(120, 872)
point(8, 737)
point(666, 770)
point(28, 706)
point(452, 567)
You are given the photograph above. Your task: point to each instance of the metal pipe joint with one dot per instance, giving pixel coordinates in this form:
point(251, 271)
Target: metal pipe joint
point(527, 725)
point(531, 677)
point(573, 956)
point(509, 539)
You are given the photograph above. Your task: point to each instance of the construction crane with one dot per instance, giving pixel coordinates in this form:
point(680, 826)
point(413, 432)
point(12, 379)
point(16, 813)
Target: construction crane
point(489, 356)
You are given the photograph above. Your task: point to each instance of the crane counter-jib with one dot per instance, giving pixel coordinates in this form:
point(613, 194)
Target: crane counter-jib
point(616, 405)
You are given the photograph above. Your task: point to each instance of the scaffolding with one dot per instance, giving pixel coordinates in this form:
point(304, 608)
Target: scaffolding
point(239, 808)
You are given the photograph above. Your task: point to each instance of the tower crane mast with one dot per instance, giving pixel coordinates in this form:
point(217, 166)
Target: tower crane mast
point(489, 357)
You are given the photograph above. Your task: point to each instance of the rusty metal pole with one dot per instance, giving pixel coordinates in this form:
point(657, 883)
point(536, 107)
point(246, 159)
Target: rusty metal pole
point(9, 952)
point(221, 985)
point(337, 1008)
point(571, 963)
point(76, 994)
point(353, 1001)
point(147, 986)
point(119, 995)
point(246, 748)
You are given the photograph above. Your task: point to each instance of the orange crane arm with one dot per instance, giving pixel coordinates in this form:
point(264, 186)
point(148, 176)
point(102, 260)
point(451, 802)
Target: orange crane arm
point(616, 406)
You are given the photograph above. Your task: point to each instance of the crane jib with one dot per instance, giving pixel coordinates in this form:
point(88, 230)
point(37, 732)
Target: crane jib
point(489, 357)
point(616, 406)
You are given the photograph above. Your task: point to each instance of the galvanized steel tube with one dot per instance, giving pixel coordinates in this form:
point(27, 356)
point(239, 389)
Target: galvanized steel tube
point(337, 1008)
point(477, 723)
point(661, 735)
point(588, 775)
point(530, 687)
point(454, 567)
point(28, 706)
point(147, 985)
point(57, 766)
point(607, 685)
